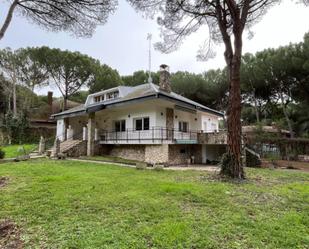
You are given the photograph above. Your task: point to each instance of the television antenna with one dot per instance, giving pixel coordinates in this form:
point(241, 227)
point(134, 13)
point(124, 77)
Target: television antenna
point(149, 37)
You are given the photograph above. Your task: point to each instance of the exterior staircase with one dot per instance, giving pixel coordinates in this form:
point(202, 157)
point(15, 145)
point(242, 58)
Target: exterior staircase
point(73, 147)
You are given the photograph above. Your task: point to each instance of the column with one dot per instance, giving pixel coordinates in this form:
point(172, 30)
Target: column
point(96, 134)
point(90, 142)
point(85, 133)
point(70, 133)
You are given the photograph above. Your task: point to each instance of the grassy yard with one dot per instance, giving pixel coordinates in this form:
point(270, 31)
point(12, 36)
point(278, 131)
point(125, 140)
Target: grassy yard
point(65, 204)
point(111, 159)
point(12, 151)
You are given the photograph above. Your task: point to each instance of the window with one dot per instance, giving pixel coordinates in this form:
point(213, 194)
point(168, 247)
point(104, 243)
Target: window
point(112, 95)
point(141, 124)
point(213, 127)
point(120, 125)
point(99, 98)
point(138, 124)
point(183, 126)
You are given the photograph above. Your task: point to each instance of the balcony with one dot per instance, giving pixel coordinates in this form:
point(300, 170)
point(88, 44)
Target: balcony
point(161, 135)
point(155, 135)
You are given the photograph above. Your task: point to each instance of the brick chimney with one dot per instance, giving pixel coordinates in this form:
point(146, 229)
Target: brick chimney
point(50, 102)
point(165, 83)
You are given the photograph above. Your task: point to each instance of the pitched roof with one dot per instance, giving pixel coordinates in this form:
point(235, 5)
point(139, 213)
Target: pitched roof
point(138, 93)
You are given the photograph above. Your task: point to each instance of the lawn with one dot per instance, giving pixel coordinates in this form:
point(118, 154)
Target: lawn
point(111, 159)
point(12, 151)
point(66, 204)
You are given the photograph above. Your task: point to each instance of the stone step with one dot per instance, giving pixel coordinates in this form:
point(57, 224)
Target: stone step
point(69, 144)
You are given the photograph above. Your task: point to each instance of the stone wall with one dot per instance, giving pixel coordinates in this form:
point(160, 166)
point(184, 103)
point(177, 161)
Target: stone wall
point(131, 152)
point(169, 122)
point(212, 138)
point(180, 153)
point(169, 154)
point(156, 154)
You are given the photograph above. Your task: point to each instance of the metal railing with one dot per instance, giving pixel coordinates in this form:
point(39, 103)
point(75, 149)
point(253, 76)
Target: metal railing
point(152, 134)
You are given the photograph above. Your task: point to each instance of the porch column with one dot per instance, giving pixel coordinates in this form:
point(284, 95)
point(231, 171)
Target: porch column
point(66, 125)
point(70, 133)
point(204, 155)
point(96, 134)
point(90, 142)
point(85, 133)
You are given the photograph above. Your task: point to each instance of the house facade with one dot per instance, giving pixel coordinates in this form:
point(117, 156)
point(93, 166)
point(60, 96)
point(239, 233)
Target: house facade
point(147, 122)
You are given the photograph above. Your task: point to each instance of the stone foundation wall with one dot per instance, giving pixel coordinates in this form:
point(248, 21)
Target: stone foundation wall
point(180, 153)
point(169, 154)
point(131, 152)
point(156, 154)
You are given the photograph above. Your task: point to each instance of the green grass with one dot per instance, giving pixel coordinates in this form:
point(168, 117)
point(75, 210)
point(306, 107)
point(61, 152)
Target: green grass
point(110, 159)
point(12, 151)
point(66, 204)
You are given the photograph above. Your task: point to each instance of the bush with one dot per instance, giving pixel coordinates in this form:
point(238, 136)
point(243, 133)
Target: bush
point(2, 153)
point(225, 164)
point(252, 160)
point(141, 165)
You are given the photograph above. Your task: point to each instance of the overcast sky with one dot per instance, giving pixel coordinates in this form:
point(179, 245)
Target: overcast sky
point(122, 44)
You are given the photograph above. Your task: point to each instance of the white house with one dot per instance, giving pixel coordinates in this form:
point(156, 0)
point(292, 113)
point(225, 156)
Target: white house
point(146, 122)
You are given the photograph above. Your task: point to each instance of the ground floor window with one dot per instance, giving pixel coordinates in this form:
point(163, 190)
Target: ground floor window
point(120, 125)
point(183, 126)
point(141, 124)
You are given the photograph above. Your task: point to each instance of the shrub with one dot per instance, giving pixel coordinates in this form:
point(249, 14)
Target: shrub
point(252, 160)
point(141, 165)
point(225, 164)
point(2, 153)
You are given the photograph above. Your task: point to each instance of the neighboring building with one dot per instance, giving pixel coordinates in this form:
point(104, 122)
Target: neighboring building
point(40, 122)
point(146, 122)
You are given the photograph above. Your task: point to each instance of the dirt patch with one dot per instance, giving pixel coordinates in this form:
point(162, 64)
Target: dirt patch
point(3, 181)
point(284, 164)
point(10, 236)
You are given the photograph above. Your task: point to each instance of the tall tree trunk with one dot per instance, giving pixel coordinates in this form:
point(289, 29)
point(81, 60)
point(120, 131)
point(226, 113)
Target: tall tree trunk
point(233, 61)
point(234, 120)
point(14, 97)
point(257, 114)
point(286, 115)
point(9, 139)
point(8, 19)
point(9, 102)
point(65, 103)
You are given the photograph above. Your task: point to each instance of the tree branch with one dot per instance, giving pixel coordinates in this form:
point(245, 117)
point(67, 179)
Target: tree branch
point(8, 19)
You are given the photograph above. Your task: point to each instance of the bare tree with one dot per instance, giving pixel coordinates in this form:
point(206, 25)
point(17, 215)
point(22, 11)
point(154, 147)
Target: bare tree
point(226, 21)
point(80, 17)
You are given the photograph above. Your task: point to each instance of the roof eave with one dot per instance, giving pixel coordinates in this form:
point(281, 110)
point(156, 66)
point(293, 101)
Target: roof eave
point(199, 108)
